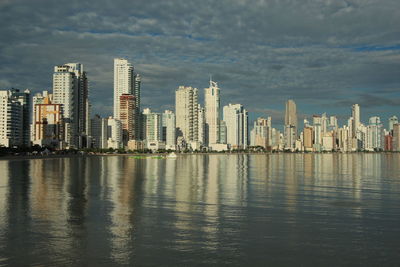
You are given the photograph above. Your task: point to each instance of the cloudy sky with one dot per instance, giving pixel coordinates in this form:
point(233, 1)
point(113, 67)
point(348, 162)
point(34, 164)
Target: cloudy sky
point(324, 54)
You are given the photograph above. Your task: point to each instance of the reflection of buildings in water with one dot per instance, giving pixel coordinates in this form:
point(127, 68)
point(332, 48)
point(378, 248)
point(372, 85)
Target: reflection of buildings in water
point(4, 192)
point(122, 174)
point(234, 184)
point(210, 197)
point(260, 171)
point(371, 167)
point(204, 184)
point(47, 191)
point(308, 168)
point(48, 203)
point(189, 183)
point(152, 170)
point(291, 183)
point(170, 180)
point(390, 162)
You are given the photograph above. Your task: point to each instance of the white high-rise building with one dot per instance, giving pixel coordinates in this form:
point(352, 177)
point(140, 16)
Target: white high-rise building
point(11, 120)
point(70, 88)
point(355, 113)
point(186, 110)
point(152, 126)
point(236, 120)
point(259, 134)
point(123, 82)
point(114, 133)
point(201, 124)
point(374, 135)
point(168, 123)
point(212, 113)
point(65, 92)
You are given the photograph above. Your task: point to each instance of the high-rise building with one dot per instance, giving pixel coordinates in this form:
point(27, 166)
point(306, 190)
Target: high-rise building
point(127, 82)
point(290, 125)
point(201, 125)
point(48, 123)
point(24, 97)
point(355, 113)
point(396, 137)
point(136, 92)
point(236, 120)
point(168, 124)
point(127, 116)
point(222, 132)
point(308, 139)
point(212, 113)
point(333, 123)
point(82, 103)
point(186, 110)
point(388, 142)
point(11, 120)
point(38, 98)
point(70, 89)
point(291, 114)
point(290, 137)
point(123, 82)
point(392, 121)
point(374, 135)
point(99, 132)
point(152, 126)
point(114, 133)
point(259, 134)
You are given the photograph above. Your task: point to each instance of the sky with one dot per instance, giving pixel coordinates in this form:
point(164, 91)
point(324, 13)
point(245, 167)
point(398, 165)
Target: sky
point(324, 54)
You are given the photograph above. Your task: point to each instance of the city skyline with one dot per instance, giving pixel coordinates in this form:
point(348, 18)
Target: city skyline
point(325, 55)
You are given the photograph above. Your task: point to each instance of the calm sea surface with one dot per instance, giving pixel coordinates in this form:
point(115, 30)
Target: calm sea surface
point(249, 210)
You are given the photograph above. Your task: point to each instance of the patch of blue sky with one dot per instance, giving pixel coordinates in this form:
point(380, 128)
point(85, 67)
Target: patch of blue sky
point(371, 48)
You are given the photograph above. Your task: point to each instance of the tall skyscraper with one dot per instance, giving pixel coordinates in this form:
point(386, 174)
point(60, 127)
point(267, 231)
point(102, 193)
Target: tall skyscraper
point(201, 136)
point(355, 113)
point(123, 82)
point(24, 98)
point(396, 137)
point(169, 135)
point(127, 82)
point(99, 131)
point(114, 133)
point(82, 104)
point(392, 121)
point(11, 120)
point(127, 115)
point(212, 113)
point(259, 134)
point(291, 114)
point(48, 123)
point(152, 126)
point(136, 92)
point(374, 134)
point(290, 125)
point(308, 138)
point(186, 110)
point(236, 120)
point(70, 89)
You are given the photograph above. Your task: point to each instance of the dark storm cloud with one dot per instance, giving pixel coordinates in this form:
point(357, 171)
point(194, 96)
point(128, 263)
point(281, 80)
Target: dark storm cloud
point(325, 54)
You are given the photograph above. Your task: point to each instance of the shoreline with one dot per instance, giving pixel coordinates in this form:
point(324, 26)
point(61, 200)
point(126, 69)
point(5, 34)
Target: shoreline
point(55, 156)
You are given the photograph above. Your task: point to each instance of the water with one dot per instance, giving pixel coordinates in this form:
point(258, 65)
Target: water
point(258, 210)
